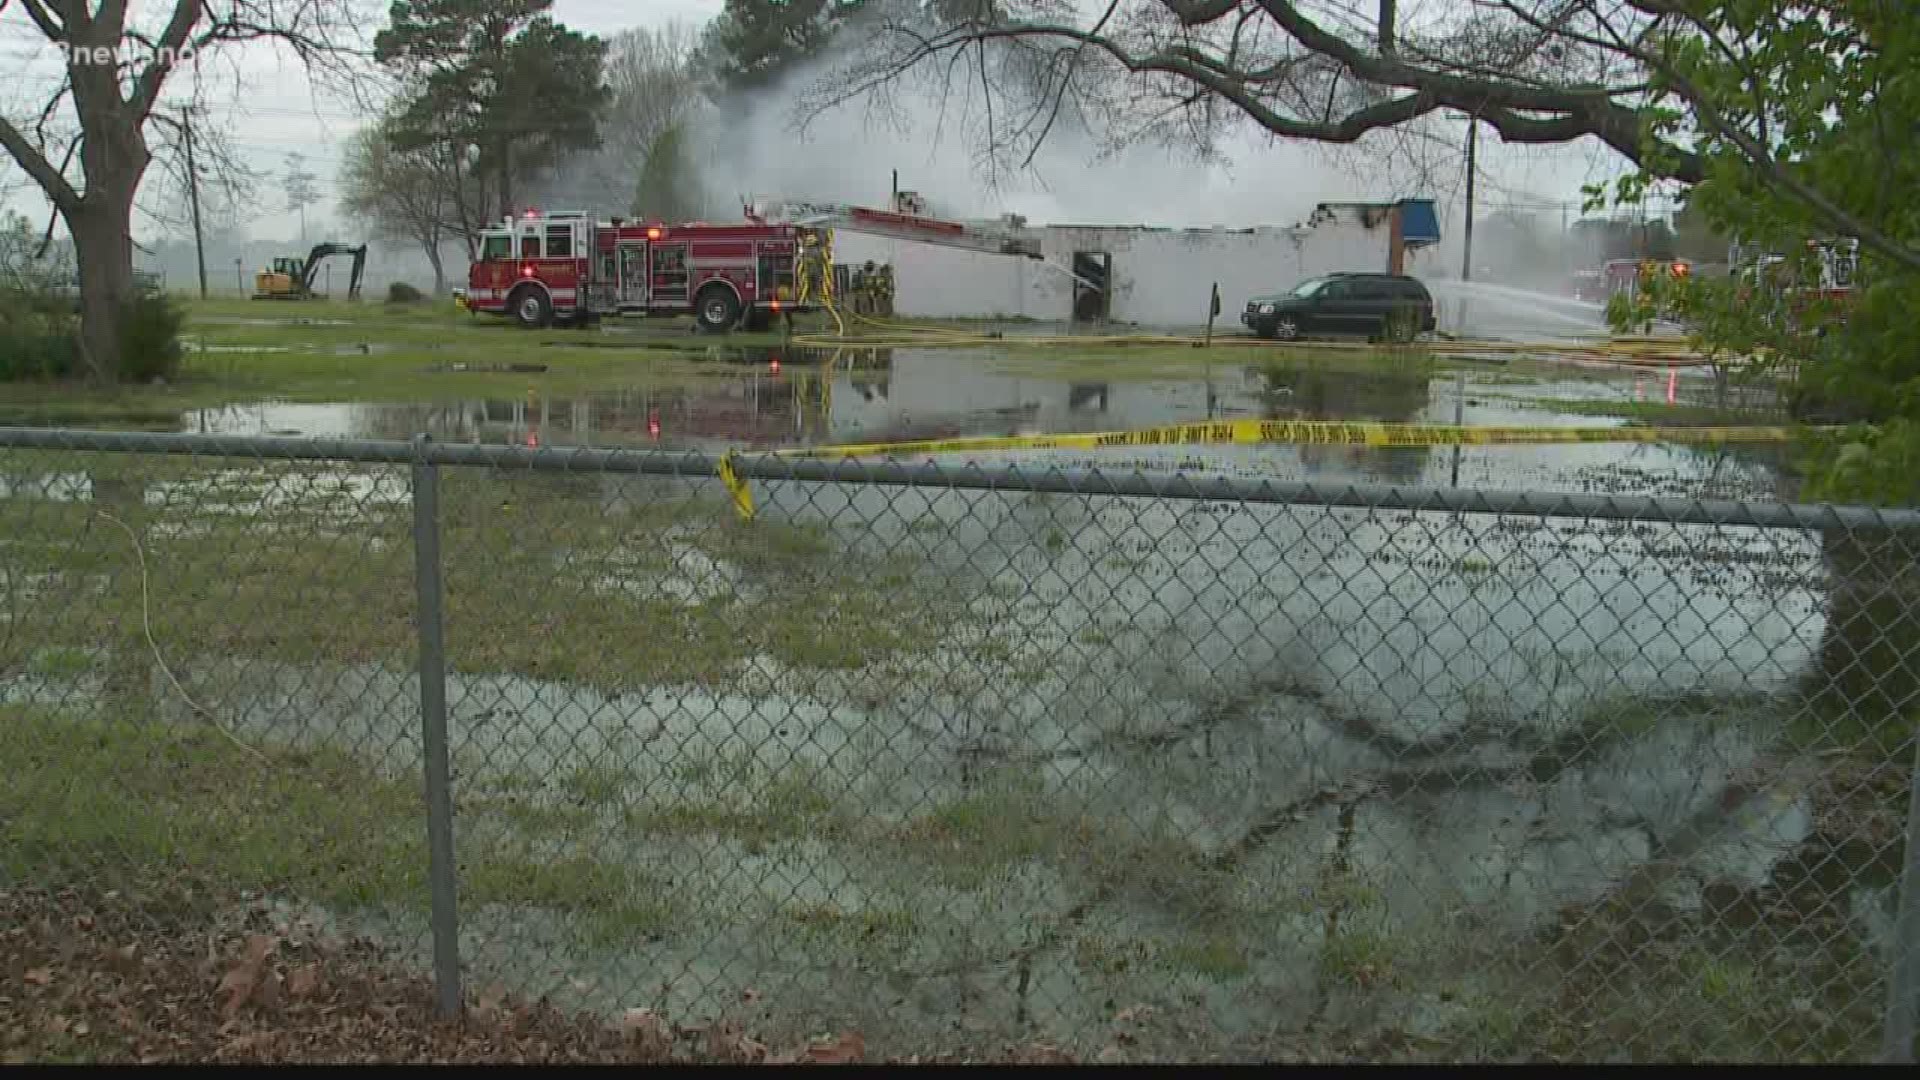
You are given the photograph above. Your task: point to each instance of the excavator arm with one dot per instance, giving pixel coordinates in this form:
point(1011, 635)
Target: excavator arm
point(321, 251)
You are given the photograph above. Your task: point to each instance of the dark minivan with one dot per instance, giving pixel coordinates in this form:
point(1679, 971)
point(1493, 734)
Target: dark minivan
point(1391, 306)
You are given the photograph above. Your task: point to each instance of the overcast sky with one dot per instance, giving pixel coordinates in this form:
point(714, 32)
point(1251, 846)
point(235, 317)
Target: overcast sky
point(277, 113)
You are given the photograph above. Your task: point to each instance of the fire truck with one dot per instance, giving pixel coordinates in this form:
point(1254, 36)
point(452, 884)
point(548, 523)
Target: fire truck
point(1811, 292)
point(561, 268)
point(1629, 275)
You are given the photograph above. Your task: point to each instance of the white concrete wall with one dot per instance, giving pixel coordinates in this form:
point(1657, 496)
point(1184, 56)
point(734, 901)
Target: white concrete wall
point(948, 283)
point(1160, 276)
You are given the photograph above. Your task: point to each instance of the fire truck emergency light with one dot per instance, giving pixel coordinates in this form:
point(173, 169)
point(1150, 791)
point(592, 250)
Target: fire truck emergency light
point(653, 234)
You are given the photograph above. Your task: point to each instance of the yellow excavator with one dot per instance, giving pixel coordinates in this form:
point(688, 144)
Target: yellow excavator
point(292, 279)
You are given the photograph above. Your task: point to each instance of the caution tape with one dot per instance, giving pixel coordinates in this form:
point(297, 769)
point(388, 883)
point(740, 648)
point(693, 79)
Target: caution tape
point(1268, 432)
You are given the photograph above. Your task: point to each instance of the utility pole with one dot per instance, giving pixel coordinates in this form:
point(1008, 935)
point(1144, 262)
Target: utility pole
point(1466, 239)
point(193, 194)
point(894, 203)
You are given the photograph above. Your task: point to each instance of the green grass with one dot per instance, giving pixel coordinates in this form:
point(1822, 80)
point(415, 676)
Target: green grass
point(1216, 956)
point(1655, 412)
point(595, 785)
point(304, 362)
point(146, 799)
point(60, 663)
point(329, 579)
point(735, 797)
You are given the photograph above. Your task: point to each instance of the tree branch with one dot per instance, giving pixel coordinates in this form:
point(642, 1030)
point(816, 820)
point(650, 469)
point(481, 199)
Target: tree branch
point(1593, 112)
point(42, 17)
point(57, 189)
point(146, 88)
point(1763, 160)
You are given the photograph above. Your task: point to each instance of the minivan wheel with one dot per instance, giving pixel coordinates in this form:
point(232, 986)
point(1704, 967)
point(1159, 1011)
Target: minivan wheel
point(1286, 329)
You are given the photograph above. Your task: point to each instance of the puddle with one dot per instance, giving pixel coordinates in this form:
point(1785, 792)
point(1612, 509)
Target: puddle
point(883, 395)
point(357, 348)
point(233, 320)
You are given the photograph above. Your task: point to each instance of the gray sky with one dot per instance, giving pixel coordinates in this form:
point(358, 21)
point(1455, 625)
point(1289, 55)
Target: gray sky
point(277, 113)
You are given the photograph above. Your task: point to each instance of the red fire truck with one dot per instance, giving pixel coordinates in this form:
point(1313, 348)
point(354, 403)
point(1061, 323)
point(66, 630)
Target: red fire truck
point(561, 268)
point(1810, 293)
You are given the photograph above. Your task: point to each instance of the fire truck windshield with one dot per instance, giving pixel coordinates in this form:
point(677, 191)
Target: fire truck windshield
point(496, 246)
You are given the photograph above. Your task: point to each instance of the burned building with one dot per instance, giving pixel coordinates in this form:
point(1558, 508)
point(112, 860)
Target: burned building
point(1147, 275)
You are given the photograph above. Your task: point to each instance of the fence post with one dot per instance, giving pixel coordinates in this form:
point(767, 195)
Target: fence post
point(433, 721)
point(1903, 982)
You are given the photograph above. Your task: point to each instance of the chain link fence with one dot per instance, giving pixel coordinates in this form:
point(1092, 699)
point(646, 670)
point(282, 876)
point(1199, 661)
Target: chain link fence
point(1148, 768)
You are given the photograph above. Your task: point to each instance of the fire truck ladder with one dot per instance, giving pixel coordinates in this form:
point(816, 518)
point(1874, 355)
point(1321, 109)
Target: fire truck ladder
point(997, 238)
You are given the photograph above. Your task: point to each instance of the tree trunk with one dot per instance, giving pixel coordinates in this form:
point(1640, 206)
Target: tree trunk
point(503, 179)
point(103, 245)
point(1869, 671)
point(439, 274)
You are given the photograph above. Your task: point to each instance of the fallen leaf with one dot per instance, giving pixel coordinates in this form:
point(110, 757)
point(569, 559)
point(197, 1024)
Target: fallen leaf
point(82, 1029)
point(303, 981)
point(492, 998)
point(749, 994)
point(727, 1043)
point(39, 977)
point(646, 1034)
point(845, 1050)
point(246, 1043)
point(1042, 1054)
point(1133, 1013)
point(249, 976)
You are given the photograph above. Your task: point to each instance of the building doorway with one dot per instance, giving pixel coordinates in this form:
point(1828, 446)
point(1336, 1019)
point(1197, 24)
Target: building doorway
point(1092, 286)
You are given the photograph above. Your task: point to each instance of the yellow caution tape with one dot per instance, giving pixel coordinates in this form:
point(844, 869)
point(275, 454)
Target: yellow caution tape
point(1269, 432)
point(1312, 432)
point(736, 487)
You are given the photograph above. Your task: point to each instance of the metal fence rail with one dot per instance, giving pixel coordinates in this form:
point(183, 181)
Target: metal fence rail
point(1155, 767)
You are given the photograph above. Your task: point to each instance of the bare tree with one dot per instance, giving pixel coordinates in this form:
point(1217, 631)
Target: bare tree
point(656, 84)
point(101, 116)
point(409, 195)
point(1332, 71)
point(1535, 72)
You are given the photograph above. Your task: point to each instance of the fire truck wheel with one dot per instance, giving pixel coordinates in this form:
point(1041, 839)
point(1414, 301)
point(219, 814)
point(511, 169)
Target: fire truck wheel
point(717, 310)
point(530, 307)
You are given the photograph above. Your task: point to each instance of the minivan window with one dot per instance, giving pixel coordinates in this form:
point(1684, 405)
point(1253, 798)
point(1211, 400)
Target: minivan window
point(1308, 287)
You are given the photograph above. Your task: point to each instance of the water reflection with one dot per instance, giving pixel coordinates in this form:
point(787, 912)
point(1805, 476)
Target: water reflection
point(883, 395)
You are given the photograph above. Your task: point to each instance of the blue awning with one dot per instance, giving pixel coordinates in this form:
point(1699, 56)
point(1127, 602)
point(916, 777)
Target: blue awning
point(1419, 223)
